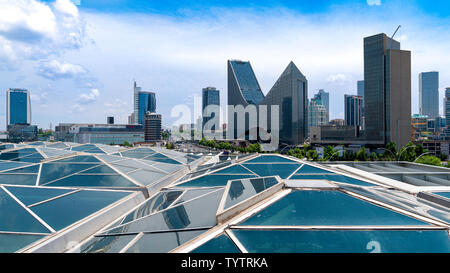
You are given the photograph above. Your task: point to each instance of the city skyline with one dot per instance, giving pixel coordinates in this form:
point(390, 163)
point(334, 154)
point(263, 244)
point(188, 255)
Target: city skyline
point(75, 78)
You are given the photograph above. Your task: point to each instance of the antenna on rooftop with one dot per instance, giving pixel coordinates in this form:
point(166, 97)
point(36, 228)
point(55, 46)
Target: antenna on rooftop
point(395, 31)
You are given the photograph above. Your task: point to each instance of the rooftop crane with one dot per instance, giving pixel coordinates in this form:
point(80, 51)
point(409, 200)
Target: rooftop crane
point(396, 31)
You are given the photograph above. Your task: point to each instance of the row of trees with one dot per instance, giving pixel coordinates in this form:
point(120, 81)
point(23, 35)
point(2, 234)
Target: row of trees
point(409, 153)
point(252, 148)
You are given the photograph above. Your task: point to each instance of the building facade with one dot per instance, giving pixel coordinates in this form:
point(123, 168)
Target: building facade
point(116, 134)
point(429, 94)
point(22, 132)
point(210, 99)
point(353, 110)
point(18, 107)
point(290, 94)
point(147, 103)
point(317, 114)
point(387, 91)
point(323, 98)
point(152, 127)
point(360, 88)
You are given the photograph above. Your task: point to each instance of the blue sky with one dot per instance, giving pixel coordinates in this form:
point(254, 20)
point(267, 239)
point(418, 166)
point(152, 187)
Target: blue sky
point(79, 62)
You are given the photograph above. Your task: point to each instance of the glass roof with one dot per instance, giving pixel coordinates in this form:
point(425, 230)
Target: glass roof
point(259, 203)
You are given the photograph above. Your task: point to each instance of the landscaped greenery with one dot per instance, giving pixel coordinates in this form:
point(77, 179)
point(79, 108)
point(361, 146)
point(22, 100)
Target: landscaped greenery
point(252, 148)
point(410, 153)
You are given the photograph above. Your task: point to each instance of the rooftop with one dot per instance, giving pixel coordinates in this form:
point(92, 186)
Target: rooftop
point(67, 197)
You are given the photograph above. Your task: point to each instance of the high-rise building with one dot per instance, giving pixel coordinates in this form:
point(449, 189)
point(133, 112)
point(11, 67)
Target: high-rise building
point(429, 94)
point(18, 107)
point(387, 91)
point(360, 89)
point(447, 110)
point(152, 129)
point(317, 114)
point(323, 98)
point(143, 102)
point(353, 110)
point(243, 90)
point(210, 99)
point(290, 94)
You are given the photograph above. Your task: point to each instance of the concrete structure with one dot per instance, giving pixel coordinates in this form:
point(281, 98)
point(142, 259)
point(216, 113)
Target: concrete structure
point(429, 94)
point(334, 135)
point(387, 91)
point(18, 106)
point(337, 122)
point(152, 127)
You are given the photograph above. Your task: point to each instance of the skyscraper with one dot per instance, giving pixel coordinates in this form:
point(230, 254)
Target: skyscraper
point(243, 90)
point(429, 94)
point(323, 98)
point(152, 127)
point(143, 102)
point(360, 88)
point(18, 107)
point(317, 113)
point(211, 97)
point(387, 91)
point(447, 109)
point(353, 110)
point(290, 93)
point(147, 103)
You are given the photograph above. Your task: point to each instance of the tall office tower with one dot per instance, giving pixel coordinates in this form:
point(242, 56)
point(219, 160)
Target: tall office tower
point(211, 98)
point(136, 102)
point(18, 107)
point(317, 113)
point(324, 98)
point(353, 110)
point(447, 109)
point(429, 94)
point(152, 127)
point(290, 93)
point(147, 103)
point(143, 102)
point(360, 88)
point(387, 91)
point(244, 90)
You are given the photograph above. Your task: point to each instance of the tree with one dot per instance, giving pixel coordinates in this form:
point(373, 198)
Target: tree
point(361, 155)
point(312, 155)
point(127, 144)
point(429, 160)
point(373, 156)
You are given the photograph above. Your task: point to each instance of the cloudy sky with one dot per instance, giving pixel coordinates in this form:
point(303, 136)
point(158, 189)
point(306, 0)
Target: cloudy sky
point(79, 61)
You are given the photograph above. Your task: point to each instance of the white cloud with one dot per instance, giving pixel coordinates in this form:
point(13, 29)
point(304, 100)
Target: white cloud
point(339, 78)
point(30, 29)
point(374, 2)
point(89, 97)
point(57, 70)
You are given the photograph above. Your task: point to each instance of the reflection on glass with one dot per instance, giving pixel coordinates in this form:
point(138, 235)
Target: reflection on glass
point(241, 190)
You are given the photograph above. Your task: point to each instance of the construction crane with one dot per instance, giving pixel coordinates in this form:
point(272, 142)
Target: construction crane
point(396, 31)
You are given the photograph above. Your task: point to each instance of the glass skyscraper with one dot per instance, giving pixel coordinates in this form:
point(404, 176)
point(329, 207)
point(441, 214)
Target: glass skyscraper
point(143, 102)
point(211, 96)
point(387, 91)
point(360, 89)
point(244, 90)
point(147, 103)
point(290, 94)
point(317, 113)
point(18, 107)
point(429, 94)
point(353, 110)
point(323, 98)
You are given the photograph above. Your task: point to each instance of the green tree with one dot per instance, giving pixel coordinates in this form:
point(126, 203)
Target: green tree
point(361, 155)
point(373, 156)
point(429, 160)
point(312, 155)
